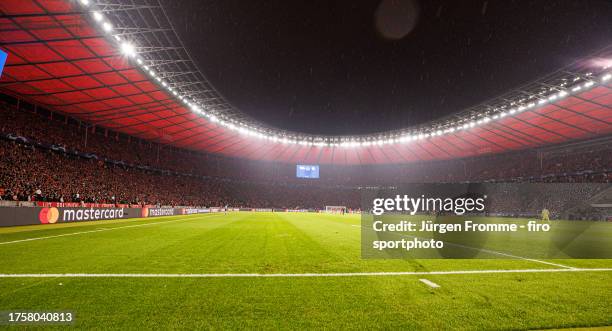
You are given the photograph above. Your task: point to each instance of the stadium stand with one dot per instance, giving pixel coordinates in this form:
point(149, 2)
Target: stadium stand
point(97, 164)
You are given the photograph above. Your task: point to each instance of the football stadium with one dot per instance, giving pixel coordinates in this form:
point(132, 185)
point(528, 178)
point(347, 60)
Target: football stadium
point(384, 164)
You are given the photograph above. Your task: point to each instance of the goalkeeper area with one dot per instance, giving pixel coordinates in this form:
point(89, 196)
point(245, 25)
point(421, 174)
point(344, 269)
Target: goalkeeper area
point(281, 270)
point(335, 209)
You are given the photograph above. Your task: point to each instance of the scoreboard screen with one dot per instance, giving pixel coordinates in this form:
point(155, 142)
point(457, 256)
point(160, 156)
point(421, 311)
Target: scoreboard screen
point(307, 171)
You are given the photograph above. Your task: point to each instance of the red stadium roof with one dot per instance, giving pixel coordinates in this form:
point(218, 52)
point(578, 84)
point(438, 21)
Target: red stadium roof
point(59, 59)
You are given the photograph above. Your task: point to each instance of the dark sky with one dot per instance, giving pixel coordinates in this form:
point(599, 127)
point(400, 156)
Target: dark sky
point(341, 67)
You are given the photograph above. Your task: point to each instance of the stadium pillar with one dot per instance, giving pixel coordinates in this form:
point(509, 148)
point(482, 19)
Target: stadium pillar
point(86, 132)
point(541, 157)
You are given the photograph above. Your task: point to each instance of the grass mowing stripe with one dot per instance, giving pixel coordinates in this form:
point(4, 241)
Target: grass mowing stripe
point(91, 231)
point(340, 274)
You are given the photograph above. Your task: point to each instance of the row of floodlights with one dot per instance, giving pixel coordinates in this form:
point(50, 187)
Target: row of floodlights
point(129, 50)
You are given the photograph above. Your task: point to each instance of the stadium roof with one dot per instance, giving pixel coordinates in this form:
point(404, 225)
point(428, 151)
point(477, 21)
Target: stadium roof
point(121, 66)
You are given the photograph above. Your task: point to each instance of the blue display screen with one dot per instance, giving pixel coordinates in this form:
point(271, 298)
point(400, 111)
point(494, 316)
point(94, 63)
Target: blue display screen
point(3, 57)
point(307, 171)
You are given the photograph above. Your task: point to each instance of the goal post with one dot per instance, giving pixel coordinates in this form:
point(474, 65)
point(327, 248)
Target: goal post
point(335, 209)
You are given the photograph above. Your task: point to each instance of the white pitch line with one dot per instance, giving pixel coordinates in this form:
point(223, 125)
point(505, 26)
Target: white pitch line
point(492, 252)
point(345, 274)
point(429, 283)
point(85, 232)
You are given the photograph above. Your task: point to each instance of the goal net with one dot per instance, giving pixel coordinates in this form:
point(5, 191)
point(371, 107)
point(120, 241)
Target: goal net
point(335, 209)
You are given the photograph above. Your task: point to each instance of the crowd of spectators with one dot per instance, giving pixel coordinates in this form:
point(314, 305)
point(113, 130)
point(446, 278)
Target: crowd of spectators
point(29, 172)
point(520, 199)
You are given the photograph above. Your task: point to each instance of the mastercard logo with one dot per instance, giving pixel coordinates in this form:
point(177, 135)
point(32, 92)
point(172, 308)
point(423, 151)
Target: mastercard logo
point(144, 212)
point(48, 215)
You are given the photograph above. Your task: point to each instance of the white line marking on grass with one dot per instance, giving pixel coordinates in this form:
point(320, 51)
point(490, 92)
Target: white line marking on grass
point(491, 252)
point(527, 259)
point(358, 226)
point(429, 283)
point(85, 232)
point(345, 274)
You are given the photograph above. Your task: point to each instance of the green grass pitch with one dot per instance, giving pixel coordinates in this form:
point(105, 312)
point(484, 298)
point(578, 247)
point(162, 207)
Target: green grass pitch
point(279, 243)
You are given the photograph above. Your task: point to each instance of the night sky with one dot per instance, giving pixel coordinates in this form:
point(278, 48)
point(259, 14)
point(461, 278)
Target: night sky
point(342, 67)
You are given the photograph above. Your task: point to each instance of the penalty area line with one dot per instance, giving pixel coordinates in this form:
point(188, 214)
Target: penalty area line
point(489, 251)
point(341, 274)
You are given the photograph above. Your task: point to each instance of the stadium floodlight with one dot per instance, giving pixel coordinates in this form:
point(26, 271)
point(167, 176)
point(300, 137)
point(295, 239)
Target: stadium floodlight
point(98, 17)
point(107, 27)
point(128, 49)
point(435, 129)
